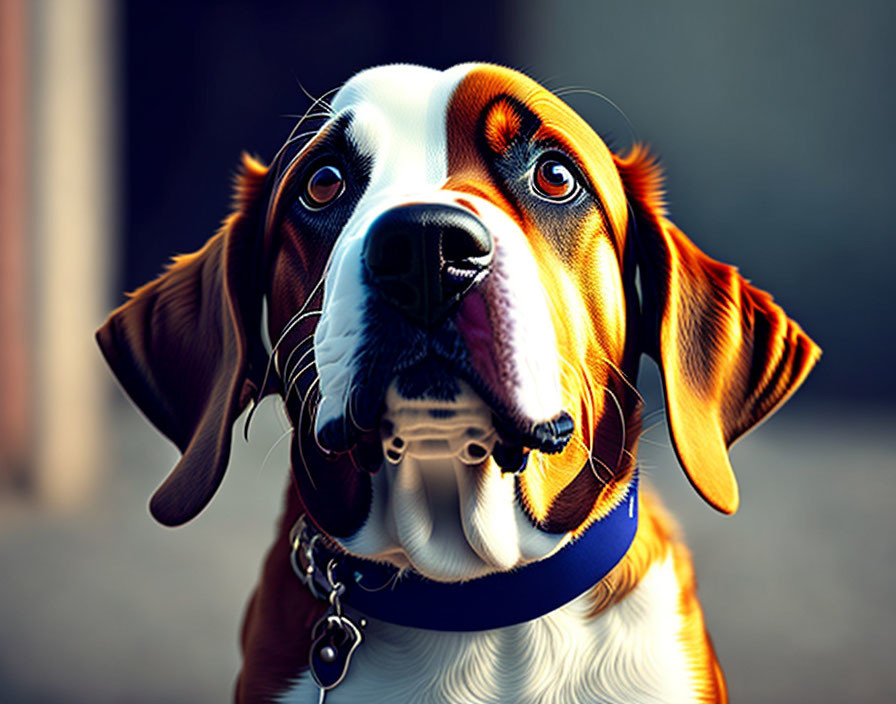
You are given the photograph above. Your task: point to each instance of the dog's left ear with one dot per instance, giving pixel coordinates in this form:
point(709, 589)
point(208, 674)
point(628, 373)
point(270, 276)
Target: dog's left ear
point(729, 355)
point(180, 349)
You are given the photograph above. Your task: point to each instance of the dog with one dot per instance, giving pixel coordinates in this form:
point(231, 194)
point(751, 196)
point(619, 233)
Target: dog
point(450, 281)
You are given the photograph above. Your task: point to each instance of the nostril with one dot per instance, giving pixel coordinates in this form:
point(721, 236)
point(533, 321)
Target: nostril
point(464, 247)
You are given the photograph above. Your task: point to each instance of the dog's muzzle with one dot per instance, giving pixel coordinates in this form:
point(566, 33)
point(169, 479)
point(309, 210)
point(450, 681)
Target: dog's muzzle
point(422, 259)
point(419, 261)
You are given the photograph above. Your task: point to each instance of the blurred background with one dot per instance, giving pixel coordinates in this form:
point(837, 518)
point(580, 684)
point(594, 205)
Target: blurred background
point(120, 129)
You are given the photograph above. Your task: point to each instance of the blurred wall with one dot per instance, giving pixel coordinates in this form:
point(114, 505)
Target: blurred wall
point(15, 406)
point(73, 248)
point(57, 202)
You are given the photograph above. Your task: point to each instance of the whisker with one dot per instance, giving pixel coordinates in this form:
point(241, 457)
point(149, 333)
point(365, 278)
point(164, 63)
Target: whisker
point(604, 465)
point(310, 97)
point(650, 427)
point(576, 372)
point(624, 378)
point(351, 410)
point(310, 389)
point(291, 139)
point(305, 354)
point(297, 318)
point(322, 99)
point(315, 104)
point(299, 137)
point(286, 434)
point(642, 436)
point(315, 412)
point(590, 455)
point(630, 455)
point(576, 90)
point(304, 341)
point(303, 116)
point(290, 326)
point(591, 405)
point(295, 378)
point(656, 412)
point(656, 443)
point(301, 436)
point(309, 337)
point(621, 422)
point(293, 321)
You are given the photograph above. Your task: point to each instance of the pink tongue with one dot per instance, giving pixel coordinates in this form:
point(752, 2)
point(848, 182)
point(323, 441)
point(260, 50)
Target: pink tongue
point(472, 321)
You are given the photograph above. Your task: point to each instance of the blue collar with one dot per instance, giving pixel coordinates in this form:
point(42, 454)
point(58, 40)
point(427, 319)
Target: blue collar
point(493, 601)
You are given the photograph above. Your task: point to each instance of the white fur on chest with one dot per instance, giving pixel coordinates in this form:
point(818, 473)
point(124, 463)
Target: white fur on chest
point(631, 653)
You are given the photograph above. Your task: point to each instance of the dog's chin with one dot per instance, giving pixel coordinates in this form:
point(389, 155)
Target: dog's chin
point(442, 505)
point(442, 383)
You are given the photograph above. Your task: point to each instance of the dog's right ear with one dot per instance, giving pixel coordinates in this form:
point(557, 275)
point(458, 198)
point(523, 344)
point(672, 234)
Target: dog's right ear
point(180, 349)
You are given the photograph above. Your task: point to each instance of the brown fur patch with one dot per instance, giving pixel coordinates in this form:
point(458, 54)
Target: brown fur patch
point(502, 125)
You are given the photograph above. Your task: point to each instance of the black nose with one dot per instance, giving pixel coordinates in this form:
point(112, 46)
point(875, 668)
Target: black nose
point(422, 259)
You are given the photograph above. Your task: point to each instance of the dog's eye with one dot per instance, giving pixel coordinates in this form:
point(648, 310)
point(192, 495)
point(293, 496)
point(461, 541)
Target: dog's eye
point(325, 185)
point(553, 180)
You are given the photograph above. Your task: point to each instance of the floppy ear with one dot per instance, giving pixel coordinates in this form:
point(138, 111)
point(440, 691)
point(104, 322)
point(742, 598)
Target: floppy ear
point(180, 350)
point(729, 355)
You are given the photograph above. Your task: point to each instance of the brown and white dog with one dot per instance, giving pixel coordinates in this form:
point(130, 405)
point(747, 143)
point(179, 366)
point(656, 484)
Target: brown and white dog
point(459, 279)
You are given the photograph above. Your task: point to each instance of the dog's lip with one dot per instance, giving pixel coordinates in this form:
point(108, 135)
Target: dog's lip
point(517, 434)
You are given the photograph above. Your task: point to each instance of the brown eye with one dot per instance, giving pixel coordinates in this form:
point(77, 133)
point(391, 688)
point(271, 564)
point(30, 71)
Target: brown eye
point(553, 180)
point(325, 185)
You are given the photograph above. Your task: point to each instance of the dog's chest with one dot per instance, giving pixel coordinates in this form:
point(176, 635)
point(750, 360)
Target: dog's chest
point(630, 652)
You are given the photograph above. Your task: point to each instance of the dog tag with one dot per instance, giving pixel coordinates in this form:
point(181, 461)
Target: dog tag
point(335, 639)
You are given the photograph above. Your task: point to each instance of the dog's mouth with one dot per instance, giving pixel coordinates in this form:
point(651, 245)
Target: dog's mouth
point(443, 502)
point(444, 386)
point(442, 453)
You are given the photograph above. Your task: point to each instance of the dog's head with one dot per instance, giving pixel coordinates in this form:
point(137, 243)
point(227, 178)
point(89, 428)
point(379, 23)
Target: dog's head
point(459, 279)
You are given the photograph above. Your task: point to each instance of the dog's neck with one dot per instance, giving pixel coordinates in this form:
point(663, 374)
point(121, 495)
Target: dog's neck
point(638, 635)
point(635, 647)
point(498, 599)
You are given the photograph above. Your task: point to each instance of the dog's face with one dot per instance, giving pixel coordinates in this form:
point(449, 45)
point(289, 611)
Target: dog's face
point(460, 278)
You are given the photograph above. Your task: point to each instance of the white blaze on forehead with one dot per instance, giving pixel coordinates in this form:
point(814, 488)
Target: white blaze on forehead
point(399, 118)
point(399, 115)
